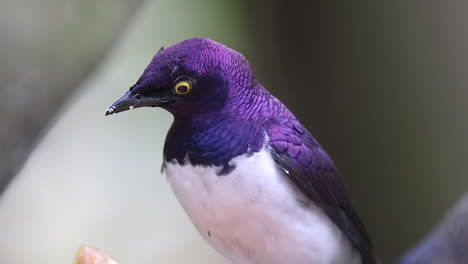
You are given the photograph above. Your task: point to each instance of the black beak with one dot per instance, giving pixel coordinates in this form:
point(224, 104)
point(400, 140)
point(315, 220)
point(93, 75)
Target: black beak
point(130, 101)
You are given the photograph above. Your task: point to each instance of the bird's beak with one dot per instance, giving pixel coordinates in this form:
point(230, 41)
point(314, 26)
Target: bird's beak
point(130, 101)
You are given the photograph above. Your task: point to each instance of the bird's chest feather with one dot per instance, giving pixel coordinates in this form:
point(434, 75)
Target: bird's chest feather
point(253, 215)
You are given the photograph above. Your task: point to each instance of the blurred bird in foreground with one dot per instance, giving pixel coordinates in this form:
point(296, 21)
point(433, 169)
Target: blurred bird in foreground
point(254, 182)
point(448, 243)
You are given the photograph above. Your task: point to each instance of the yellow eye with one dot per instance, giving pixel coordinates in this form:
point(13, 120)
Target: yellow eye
point(182, 87)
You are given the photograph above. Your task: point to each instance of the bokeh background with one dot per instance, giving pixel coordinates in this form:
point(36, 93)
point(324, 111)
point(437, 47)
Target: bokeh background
point(381, 84)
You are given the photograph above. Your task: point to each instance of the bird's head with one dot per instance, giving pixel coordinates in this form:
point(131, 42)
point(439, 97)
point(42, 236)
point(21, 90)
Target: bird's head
point(191, 77)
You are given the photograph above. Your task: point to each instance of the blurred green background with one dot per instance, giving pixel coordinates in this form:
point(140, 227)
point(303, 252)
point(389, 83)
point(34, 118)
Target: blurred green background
point(381, 84)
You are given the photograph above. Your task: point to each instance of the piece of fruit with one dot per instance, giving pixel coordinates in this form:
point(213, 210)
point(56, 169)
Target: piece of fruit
point(87, 255)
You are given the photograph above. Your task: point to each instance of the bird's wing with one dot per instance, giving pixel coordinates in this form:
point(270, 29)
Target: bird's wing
point(310, 168)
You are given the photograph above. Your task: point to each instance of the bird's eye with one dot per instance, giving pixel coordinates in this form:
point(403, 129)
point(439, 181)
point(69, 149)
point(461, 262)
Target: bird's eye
point(182, 87)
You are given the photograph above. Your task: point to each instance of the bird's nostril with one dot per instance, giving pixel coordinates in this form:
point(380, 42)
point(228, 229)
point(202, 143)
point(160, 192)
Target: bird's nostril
point(137, 96)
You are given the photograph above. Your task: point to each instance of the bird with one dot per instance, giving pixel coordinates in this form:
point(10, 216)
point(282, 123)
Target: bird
point(252, 179)
point(447, 243)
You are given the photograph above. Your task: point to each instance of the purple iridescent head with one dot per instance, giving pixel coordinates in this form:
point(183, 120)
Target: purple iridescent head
point(194, 76)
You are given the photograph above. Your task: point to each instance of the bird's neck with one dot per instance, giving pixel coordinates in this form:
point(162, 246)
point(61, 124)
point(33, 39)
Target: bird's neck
point(212, 140)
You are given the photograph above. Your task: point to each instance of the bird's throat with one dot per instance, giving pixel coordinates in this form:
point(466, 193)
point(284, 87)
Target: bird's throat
point(212, 141)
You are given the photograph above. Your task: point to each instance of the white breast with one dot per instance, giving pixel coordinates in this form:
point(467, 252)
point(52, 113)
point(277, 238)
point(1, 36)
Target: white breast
point(255, 216)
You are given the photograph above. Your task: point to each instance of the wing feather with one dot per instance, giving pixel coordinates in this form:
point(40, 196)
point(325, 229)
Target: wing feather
point(310, 168)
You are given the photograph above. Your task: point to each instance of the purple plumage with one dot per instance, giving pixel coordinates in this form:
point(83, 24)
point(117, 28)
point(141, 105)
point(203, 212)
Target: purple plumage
point(222, 112)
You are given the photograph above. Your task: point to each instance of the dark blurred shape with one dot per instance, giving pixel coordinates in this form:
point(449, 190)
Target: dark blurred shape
point(448, 243)
point(48, 47)
point(383, 86)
